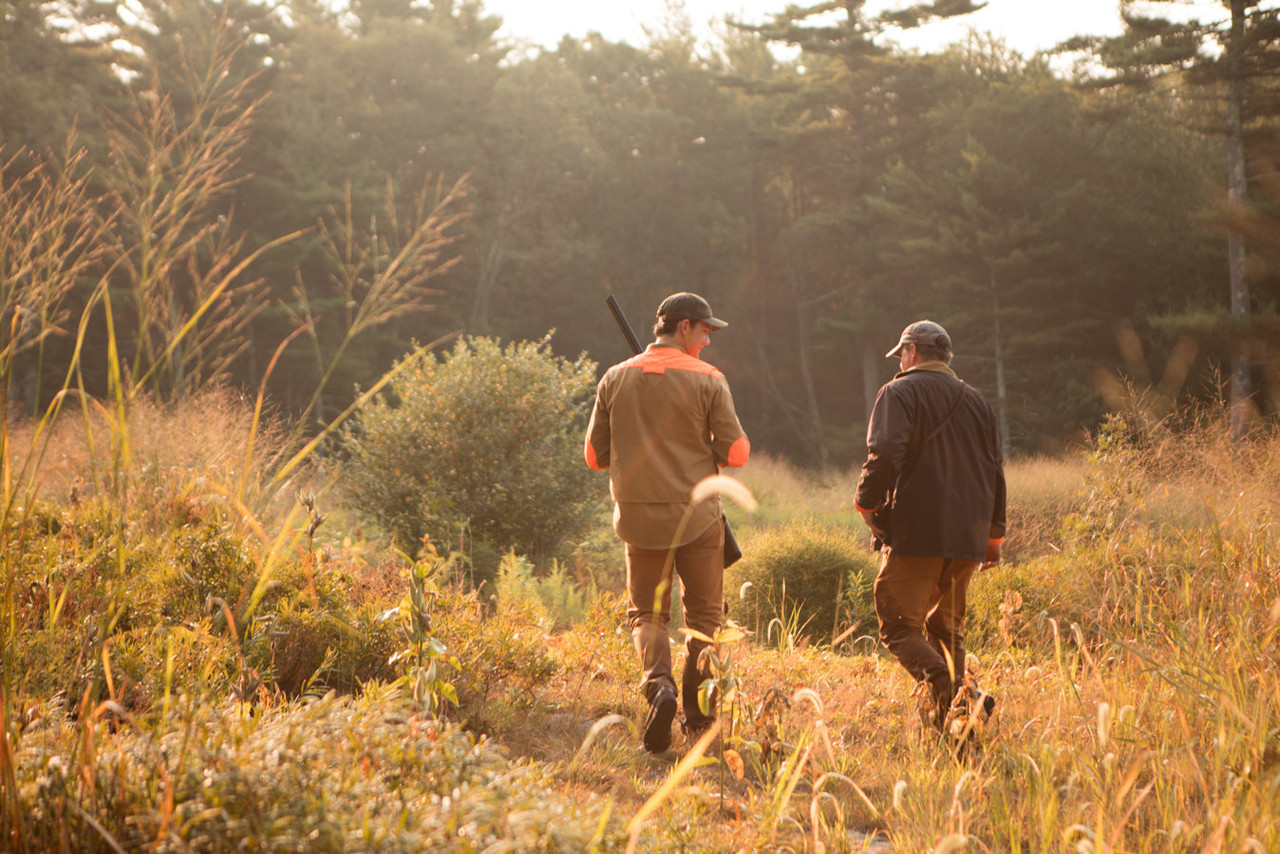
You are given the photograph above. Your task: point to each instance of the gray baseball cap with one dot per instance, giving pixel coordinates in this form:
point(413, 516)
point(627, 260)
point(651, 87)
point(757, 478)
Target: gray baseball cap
point(687, 306)
point(922, 332)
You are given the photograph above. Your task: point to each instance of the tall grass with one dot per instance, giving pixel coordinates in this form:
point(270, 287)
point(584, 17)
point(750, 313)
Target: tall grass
point(1134, 646)
point(785, 492)
point(1134, 654)
point(1042, 492)
point(155, 563)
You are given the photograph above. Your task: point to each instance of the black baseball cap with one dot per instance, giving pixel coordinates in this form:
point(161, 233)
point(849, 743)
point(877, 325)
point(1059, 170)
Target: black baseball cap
point(687, 306)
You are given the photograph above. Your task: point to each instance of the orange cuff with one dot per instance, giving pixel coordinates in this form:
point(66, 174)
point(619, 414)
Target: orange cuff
point(739, 451)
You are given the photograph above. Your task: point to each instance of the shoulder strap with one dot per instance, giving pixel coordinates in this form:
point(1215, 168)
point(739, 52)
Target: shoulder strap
point(954, 407)
point(910, 465)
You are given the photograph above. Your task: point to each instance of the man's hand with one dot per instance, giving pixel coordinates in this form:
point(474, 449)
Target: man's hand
point(868, 518)
point(993, 555)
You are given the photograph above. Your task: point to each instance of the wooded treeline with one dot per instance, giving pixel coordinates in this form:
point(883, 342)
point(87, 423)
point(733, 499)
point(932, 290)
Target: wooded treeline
point(820, 201)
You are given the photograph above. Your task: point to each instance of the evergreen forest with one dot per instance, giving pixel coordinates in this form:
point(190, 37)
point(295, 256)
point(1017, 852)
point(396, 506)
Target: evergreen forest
point(354, 180)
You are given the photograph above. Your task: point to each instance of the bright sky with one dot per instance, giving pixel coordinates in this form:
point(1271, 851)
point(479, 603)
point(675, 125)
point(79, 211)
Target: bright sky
point(1026, 25)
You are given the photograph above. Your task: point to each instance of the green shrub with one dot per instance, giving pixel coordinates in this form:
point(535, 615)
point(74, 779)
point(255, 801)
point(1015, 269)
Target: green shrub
point(96, 579)
point(598, 558)
point(486, 439)
point(333, 774)
point(1010, 605)
point(599, 657)
point(310, 648)
point(556, 597)
point(211, 560)
point(815, 578)
point(504, 661)
point(1114, 487)
point(146, 662)
point(148, 594)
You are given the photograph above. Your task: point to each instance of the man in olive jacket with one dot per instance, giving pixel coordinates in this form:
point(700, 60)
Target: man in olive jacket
point(663, 421)
point(932, 491)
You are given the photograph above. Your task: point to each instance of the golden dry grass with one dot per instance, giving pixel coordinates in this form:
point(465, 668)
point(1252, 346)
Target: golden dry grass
point(785, 492)
point(1137, 674)
point(1041, 492)
point(1138, 685)
point(208, 441)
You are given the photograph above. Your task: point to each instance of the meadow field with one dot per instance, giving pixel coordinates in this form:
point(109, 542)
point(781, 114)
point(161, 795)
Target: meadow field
point(259, 591)
point(200, 655)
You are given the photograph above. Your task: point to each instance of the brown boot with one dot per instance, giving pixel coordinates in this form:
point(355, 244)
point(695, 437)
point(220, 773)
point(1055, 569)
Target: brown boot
point(657, 723)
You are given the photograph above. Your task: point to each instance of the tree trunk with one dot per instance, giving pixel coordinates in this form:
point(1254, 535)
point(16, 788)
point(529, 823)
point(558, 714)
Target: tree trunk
point(811, 396)
point(1236, 191)
point(769, 386)
point(1002, 394)
point(490, 268)
point(872, 358)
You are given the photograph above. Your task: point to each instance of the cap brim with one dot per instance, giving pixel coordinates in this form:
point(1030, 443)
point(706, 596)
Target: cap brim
point(896, 351)
point(715, 321)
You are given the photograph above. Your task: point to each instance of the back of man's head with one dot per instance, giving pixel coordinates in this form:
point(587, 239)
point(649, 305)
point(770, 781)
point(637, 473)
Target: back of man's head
point(930, 340)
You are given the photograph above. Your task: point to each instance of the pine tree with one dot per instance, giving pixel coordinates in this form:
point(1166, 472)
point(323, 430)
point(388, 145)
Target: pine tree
point(848, 114)
point(1235, 58)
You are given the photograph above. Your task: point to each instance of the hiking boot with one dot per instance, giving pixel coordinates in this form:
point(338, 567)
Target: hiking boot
point(657, 723)
point(966, 720)
point(693, 729)
point(932, 713)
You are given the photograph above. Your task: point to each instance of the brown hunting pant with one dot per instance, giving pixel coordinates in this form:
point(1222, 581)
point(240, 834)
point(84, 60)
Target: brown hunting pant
point(700, 565)
point(920, 604)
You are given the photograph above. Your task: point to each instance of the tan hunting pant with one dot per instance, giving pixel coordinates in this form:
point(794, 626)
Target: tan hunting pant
point(920, 604)
point(700, 565)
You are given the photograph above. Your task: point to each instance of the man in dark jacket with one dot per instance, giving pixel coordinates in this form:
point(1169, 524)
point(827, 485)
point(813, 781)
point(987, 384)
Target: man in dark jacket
point(932, 491)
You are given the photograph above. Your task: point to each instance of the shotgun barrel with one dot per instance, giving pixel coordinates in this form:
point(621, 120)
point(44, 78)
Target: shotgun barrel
point(621, 319)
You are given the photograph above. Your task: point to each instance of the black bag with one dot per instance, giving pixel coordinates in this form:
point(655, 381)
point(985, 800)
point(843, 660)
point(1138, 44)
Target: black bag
point(732, 552)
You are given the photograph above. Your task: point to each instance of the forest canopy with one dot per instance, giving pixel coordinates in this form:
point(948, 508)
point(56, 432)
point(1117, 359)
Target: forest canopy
point(318, 189)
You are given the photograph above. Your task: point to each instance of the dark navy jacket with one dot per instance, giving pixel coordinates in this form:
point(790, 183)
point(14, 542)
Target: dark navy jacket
point(948, 495)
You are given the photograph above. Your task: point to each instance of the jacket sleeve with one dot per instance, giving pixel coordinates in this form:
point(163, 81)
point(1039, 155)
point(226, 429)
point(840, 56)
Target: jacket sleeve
point(596, 447)
point(888, 435)
point(728, 440)
point(998, 509)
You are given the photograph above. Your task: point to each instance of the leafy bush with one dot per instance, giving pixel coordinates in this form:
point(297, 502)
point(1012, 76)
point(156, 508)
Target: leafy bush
point(320, 648)
point(810, 576)
point(503, 660)
point(211, 560)
point(1114, 485)
point(488, 439)
point(87, 579)
point(599, 651)
point(335, 774)
point(1010, 604)
point(556, 596)
point(146, 662)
